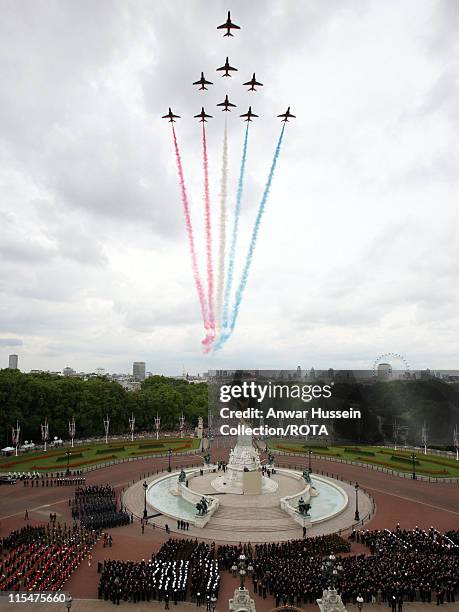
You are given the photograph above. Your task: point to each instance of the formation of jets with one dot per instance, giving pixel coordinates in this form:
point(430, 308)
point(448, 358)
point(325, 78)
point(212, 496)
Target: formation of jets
point(226, 69)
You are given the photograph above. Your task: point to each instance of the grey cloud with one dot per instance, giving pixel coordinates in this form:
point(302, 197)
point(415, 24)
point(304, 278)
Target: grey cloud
point(11, 342)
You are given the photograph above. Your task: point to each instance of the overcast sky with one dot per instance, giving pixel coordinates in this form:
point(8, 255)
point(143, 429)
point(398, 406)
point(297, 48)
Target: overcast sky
point(358, 253)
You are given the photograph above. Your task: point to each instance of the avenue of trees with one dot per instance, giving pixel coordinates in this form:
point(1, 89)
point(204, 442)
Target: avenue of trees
point(32, 398)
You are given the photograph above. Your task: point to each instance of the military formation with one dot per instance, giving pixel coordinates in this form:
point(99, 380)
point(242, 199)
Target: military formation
point(43, 558)
point(95, 507)
point(182, 569)
point(405, 566)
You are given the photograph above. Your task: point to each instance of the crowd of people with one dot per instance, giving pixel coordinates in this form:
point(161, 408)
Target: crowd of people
point(228, 554)
point(43, 558)
point(181, 569)
point(95, 507)
point(405, 565)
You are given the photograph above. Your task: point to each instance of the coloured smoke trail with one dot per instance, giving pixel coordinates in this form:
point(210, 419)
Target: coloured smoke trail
point(210, 337)
point(253, 242)
point(232, 253)
point(222, 243)
point(189, 229)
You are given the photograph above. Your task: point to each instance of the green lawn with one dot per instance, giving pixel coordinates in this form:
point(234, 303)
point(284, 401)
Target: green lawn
point(429, 465)
point(84, 455)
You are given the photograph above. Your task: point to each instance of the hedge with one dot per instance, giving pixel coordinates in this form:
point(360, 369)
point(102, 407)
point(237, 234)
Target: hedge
point(360, 451)
point(111, 449)
point(73, 455)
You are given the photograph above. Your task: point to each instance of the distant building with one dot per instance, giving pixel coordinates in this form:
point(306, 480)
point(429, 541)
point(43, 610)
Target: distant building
point(138, 370)
point(384, 371)
point(13, 362)
point(299, 373)
point(67, 371)
point(100, 372)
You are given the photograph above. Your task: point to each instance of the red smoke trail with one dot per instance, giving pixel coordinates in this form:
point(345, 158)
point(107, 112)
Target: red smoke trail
point(210, 337)
point(189, 229)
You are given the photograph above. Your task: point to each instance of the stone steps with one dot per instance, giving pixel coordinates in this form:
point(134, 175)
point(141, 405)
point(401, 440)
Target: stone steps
point(245, 520)
point(247, 514)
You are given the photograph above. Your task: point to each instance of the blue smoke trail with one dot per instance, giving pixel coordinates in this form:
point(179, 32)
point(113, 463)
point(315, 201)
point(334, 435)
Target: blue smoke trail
point(232, 253)
point(253, 242)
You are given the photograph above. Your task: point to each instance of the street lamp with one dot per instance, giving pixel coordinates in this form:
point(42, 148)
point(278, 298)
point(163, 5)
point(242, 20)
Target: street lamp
point(310, 465)
point(413, 459)
point(357, 515)
point(359, 600)
point(169, 452)
point(242, 572)
point(145, 487)
point(68, 453)
point(68, 602)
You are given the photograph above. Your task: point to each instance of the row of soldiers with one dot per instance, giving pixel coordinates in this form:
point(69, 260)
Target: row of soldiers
point(180, 568)
point(43, 558)
point(66, 481)
point(44, 476)
point(410, 540)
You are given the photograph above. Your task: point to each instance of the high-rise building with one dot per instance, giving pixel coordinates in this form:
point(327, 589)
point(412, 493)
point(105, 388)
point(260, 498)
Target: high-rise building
point(13, 362)
point(138, 370)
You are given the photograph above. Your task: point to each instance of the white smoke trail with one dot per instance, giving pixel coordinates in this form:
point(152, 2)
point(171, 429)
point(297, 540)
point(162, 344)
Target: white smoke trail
point(222, 237)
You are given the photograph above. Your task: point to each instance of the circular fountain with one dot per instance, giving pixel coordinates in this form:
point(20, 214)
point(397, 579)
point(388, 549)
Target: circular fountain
point(248, 500)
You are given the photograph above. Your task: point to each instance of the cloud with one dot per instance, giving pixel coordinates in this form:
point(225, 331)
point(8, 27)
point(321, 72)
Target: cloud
point(11, 342)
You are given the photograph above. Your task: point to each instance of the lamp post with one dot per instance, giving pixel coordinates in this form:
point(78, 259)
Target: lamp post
point(145, 487)
point(359, 600)
point(157, 425)
point(413, 459)
point(16, 437)
point(357, 514)
point(310, 464)
point(72, 429)
point(68, 602)
point(242, 570)
point(169, 452)
point(68, 453)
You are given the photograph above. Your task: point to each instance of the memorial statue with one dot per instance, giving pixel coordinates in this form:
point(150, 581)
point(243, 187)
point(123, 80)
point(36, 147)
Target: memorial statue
point(182, 476)
point(202, 506)
point(303, 507)
point(207, 459)
point(307, 476)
